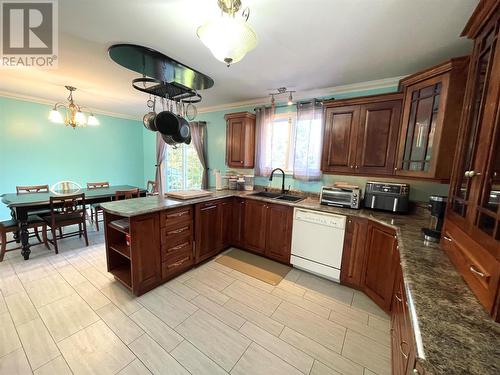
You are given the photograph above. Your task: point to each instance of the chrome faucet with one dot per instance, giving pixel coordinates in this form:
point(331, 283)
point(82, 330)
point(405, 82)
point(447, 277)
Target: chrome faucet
point(282, 181)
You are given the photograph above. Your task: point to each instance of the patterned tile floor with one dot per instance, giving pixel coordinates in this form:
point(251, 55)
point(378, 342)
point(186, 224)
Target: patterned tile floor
point(63, 314)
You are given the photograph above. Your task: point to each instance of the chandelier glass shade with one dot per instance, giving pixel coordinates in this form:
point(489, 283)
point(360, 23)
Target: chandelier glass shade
point(73, 117)
point(229, 38)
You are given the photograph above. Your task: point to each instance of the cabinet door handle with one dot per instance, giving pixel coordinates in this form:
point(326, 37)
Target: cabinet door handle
point(178, 263)
point(177, 230)
point(401, 349)
point(178, 247)
point(399, 299)
point(470, 174)
point(476, 271)
point(352, 166)
point(207, 208)
point(178, 214)
point(447, 238)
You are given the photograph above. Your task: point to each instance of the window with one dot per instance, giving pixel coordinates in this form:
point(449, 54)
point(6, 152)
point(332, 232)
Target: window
point(182, 168)
point(278, 138)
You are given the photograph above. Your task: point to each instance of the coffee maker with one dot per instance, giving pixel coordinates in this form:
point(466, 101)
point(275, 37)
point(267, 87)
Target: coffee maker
point(437, 206)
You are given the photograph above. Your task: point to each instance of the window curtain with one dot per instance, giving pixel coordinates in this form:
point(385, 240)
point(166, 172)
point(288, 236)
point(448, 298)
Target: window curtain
point(308, 141)
point(161, 148)
point(263, 137)
point(199, 137)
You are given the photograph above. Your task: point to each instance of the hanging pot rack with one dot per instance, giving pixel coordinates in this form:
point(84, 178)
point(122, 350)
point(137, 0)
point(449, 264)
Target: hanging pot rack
point(161, 75)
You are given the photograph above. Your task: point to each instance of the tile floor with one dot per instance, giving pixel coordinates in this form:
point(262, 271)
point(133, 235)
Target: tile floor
point(63, 314)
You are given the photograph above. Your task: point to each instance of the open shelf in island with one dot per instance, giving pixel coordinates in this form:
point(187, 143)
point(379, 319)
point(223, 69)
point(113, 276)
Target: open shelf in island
point(133, 250)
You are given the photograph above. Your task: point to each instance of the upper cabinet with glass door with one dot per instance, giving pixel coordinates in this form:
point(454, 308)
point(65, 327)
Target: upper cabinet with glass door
point(431, 114)
point(475, 188)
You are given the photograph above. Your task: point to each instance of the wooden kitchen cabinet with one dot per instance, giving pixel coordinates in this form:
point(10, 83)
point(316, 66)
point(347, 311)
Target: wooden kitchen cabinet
point(212, 228)
point(240, 140)
point(238, 220)
point(432, 106)
point(472, 223)
point(136, 263)
point(402, 337)
point(380, 264)
point(225, 223)
point(254, 230)
point(360, 135)
point(279, 232)
point(206, 230)
point(353, 254)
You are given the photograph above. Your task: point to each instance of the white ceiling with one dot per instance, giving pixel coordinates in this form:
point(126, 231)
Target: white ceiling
point(302, 44)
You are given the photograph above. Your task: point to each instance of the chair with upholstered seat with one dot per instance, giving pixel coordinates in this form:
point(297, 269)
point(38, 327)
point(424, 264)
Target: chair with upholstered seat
point(67, 210)
point(11, 226)
point(95, 208)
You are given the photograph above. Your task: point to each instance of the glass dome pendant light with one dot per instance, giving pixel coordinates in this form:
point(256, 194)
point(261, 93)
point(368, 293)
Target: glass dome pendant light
point(228, 38)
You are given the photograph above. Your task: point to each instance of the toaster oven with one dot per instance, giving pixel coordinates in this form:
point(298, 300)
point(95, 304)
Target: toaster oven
point(340, 197)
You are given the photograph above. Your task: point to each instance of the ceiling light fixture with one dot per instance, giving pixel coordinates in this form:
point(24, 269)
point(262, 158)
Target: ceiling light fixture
point(228, 38)
point(281, 91)
point(74, 115)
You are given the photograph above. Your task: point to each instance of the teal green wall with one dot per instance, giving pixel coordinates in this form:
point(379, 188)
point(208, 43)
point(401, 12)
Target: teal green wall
point(36, 151)
point(216, 138)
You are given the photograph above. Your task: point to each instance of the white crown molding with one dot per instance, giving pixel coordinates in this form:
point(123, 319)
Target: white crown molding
point(38, 100)
point(301, 95)
point(317, 93)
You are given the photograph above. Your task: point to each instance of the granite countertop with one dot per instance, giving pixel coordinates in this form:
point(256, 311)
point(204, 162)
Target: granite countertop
point(453, 333)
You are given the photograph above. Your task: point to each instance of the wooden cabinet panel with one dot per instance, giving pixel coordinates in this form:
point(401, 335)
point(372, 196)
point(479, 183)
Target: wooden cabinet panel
point(380, 264)
point(279, 232)
point(240, 140)
point(477, 266)
point(354, 252)
point(340, 139)
point(360, 135)
point(145, 252)
point(431, 115)
point(225, 223)
point(473, 212)
point(237, 222)
point(377, 136)
point(206, 229)
point(402, 337)
point(254, 230)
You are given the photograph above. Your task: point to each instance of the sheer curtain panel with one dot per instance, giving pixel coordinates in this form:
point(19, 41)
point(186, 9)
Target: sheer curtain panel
point(308, 141)
point(264, 141)
point(199, 137)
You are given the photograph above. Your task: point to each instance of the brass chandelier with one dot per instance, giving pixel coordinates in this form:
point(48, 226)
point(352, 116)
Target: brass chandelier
point(74, 117)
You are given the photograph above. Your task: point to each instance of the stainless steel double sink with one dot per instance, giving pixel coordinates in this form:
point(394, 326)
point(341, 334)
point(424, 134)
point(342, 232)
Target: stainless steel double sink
point(278, 196)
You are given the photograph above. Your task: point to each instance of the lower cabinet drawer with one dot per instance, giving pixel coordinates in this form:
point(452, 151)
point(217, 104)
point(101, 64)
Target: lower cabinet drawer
point(477, 266)
point(182, 245)
point(176, 216)
point(176, 263)
point(171, 235)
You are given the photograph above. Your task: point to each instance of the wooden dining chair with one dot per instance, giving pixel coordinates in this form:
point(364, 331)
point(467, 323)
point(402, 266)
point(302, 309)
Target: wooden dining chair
point(151, 188)
point(32, 189)
point(65, 211)
point(11, 226)
point(95, 208)
point(127, 194)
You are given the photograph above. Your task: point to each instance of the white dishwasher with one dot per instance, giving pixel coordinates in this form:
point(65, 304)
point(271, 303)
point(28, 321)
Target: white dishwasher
point(318, 242)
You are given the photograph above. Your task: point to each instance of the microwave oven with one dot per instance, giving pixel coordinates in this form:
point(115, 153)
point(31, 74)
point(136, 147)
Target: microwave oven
point(340, 197)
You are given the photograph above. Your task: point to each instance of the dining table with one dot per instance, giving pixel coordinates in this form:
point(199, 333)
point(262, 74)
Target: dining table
point(21, 205)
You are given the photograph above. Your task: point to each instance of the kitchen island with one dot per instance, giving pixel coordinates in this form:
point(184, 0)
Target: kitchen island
point(449, 332)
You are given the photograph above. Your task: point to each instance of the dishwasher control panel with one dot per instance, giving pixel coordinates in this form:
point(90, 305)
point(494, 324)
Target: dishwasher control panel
point(321, 218)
